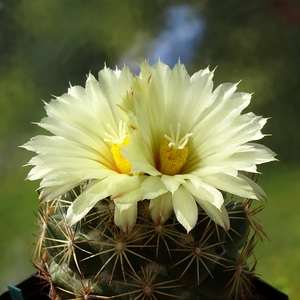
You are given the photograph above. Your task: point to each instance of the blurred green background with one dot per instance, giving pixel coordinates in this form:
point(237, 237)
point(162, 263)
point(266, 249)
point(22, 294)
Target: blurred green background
point(45, 44)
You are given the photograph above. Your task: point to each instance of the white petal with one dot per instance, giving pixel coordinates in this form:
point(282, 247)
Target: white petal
point(259, 192)
point(172, 182)
point(128, 190)
point(94, 192)
point(67, 118)
point(125, 216)
point(185, 208)
point(161, 208)
point(49, 193)
point(219, 216)
point(153, 187)
point(58, 178)
point(231, 184)
point(139, 154)
point(201, 85)
point(205, 192)
point(248, 156)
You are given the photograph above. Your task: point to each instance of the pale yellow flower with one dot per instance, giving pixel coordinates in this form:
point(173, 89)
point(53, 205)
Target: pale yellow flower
point(192, 142)
point(163, 136)
point(88, 131)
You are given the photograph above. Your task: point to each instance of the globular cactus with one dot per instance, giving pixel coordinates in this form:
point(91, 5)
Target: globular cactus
point(137, 185)
point(95, 259)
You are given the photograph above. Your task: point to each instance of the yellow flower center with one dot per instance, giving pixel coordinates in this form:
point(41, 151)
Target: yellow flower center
point(173, 152)
point(122, 164)
point(171, 159)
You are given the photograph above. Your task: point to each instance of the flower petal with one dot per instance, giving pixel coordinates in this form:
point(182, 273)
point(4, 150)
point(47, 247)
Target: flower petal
point(185, 208)
point(161, 208)
point(205, 192)
point(231, 184)
point(128, 190)
point(94, 192)
point(49, 193)
point(125, 216)
point(153, 187)
point(219, 216)
point(259, 192)
point(172, 182)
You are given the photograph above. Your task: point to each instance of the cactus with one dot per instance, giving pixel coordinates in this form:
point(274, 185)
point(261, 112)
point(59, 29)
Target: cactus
point(94, 259)
point(140, 205)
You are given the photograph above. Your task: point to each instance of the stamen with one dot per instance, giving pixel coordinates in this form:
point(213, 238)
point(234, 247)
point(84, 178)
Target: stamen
point(117, 140)
point(173, 155)
point(122, 164)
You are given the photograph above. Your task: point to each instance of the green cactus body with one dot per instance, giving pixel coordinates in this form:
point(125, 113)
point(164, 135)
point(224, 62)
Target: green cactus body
point(94, 259)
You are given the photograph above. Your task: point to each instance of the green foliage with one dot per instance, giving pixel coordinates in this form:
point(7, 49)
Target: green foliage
point(279, 257)
point(261, 39)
